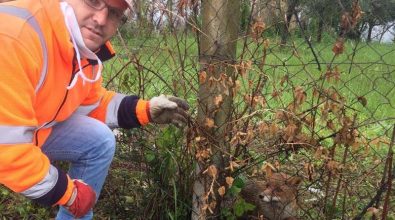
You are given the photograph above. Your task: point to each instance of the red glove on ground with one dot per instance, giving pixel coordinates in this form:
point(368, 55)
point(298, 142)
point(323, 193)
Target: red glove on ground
point(82, 199)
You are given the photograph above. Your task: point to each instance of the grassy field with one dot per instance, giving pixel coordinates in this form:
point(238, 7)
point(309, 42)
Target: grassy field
point(367, 70)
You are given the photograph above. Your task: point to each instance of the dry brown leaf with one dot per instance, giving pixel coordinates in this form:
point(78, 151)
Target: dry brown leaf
point(204, 207)
point(221, 191)
point(202, 77)
point(229, 180)
point(333, 75)
point(331, 125)
point(277, 165)
point(346, 22)
point(244, 67)
point(266, 43)
point(268, 169)
point(300, 95)
point(318, 153)
point(212, 171)
point(373, 211)
point(263, 128)
point(275, 93)
point(356, 13)
point(199, 139)
point(218, 100)
point(284, 79)
point(363, 101)
point(209, 122)
point(236, 87)
point(203, 154)
point(212, 206)
point(181, 7)
point(333, 166)
point(290, 131)
point(309, 120)
point(280, 115)
point(338, 48)
point(273, 129)
point(235, 140)
point(357, 143)
point(309, 169)
point(232, 166)
point(257, 29)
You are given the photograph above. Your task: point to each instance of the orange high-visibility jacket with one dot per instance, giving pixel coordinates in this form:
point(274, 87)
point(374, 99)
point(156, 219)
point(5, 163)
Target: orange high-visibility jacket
point(37, 63)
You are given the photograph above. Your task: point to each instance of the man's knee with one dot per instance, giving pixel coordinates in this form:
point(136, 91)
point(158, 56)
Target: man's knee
point(105, 138)
point(110, 145)
point(108, 141)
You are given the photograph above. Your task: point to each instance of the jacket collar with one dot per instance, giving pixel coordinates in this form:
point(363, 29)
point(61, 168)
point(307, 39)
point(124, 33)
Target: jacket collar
point(105, 52)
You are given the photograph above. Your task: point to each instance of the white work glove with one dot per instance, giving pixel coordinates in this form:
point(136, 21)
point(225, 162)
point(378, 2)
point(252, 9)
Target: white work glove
point(168, 109)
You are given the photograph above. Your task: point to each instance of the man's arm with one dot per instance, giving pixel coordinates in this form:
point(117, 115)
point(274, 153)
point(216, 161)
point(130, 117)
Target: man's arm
point(119, 110)
point(23, 167)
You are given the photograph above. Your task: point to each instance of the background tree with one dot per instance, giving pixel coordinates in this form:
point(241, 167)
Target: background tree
point(377, 12)
point(290, 11)
point(325, 13)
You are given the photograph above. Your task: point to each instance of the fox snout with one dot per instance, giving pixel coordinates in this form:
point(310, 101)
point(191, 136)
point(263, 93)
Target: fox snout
point(263, 197)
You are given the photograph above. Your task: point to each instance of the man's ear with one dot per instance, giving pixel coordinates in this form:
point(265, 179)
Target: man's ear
point(294, 181)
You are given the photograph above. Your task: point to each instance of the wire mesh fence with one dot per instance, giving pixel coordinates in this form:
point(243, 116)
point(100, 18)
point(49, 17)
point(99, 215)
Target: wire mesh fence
point(309, 87)
point(312, 92)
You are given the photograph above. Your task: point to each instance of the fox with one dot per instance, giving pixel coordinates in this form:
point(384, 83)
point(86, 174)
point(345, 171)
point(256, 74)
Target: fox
point(274, 199)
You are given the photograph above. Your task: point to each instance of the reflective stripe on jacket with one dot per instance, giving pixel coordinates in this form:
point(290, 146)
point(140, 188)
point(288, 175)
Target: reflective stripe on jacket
point(37, 64)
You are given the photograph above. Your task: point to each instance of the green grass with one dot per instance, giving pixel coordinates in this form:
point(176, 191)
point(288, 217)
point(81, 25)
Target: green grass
point(366, 70)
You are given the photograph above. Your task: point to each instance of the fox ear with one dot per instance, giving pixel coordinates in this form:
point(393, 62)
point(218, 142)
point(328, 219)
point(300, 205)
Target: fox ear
point(295, 180)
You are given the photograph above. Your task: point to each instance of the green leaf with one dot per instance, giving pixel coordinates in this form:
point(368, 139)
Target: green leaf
point(239, 182)
point(129, 199)
point(238, 209)
point(149, 156)
point(241, 206)
point(234, 190)
point(249, 207)
point(227, 214)
point(237, 185)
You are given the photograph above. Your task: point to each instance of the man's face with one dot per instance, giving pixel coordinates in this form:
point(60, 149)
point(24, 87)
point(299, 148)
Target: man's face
point(98, 25)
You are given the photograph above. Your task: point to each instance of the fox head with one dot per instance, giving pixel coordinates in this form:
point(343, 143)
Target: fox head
point(280, 187)
point(275, 198)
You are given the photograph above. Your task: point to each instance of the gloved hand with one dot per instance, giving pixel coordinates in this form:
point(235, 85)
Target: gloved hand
point(168, 109)
point(82, 199)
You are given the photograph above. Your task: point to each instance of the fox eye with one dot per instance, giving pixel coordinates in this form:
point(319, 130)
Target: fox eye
point(277, 190)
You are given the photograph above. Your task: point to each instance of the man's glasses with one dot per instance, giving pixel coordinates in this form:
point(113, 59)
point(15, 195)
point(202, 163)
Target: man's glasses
point(114, 14)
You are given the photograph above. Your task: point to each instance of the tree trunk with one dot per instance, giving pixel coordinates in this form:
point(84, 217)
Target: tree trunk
point(220, 27)
point(141, 16)
point(170, 16)
point(320, 30)
point(138, 11)
point(370, 30)
point(291, 9)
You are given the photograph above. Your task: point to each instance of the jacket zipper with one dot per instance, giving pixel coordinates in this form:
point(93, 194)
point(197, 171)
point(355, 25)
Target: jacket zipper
point(64, 98)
